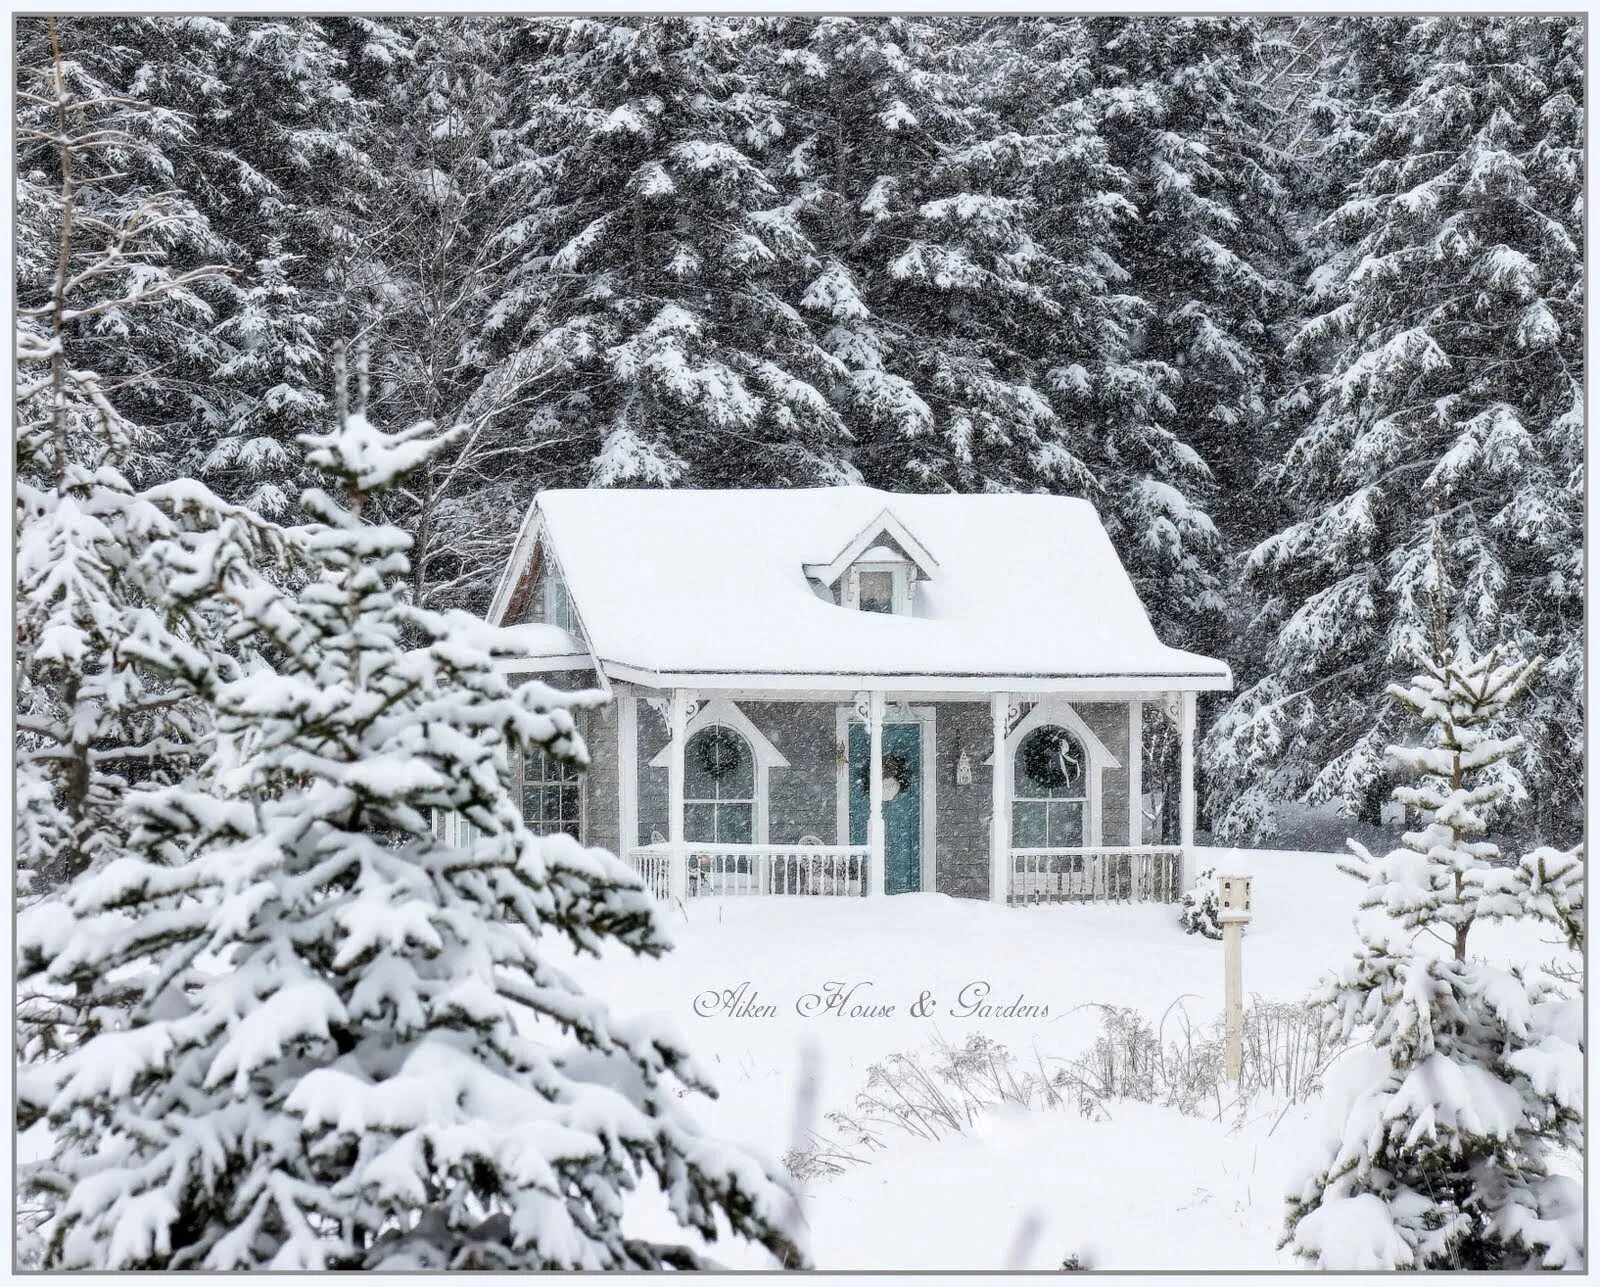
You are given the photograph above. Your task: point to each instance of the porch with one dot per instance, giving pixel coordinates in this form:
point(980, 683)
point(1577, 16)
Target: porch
point(866, 793)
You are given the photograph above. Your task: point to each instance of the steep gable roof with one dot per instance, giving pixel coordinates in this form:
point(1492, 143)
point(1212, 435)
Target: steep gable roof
point(709, 587)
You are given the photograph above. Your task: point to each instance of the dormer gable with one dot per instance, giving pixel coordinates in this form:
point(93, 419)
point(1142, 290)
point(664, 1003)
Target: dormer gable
point(878, 570)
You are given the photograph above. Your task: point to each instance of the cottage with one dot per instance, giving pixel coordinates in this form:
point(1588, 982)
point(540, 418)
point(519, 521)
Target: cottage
point(848, 692)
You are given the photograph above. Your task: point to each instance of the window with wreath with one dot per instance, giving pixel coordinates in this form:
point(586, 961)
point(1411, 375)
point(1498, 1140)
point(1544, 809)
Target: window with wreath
point(719, 788)
point(1050, 807)
point(552, 796)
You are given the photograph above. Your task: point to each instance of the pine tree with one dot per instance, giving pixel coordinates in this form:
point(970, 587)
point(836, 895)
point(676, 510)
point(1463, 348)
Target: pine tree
point(1447, 351)
point(269, 389)
point(930, 280)
point(443, 230)
point(1205, 252)
point(94, 272)
point(348, 1047)
point(657, 263)
point(1440, 1159)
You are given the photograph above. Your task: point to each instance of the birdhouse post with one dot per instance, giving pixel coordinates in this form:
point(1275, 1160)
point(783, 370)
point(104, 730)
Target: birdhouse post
point(1234, 913)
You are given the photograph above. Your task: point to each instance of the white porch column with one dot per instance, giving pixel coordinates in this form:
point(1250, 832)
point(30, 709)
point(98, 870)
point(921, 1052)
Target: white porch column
point(1186, 792)
point(1000, 803)
point(876, 848)
point(677, 721)
point(1136, 772)
point(627, 772)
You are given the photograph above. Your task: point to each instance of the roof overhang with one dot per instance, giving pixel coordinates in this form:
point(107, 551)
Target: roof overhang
point(912, 681)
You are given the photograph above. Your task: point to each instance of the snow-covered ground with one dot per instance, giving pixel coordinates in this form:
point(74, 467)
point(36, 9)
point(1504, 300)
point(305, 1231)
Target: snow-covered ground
point(1150, 1188)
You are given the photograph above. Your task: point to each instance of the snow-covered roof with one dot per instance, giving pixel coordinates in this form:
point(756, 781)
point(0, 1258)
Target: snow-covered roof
point(710, 588)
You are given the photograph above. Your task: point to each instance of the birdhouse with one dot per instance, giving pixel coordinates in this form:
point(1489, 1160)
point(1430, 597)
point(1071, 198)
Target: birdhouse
point(1233, 897)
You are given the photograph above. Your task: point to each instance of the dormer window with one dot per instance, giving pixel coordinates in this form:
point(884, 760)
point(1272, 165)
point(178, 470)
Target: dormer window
point(877, 571)
point(880, 581)
point(875, 591)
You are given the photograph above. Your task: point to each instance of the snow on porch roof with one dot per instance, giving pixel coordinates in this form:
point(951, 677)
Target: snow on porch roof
point(713, 583)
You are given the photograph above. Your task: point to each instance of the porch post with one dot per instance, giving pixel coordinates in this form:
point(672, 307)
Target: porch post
point(1186, 793)
point(677, 721)
point(1000, 803)
point(1136, 772)
point(627, 772)
point(875, 835)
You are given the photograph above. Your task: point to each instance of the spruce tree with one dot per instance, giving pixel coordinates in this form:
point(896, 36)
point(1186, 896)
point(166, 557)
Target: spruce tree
point(657, 263)
point(348, 1046)
point(1447, 351)
point(1439, 1156)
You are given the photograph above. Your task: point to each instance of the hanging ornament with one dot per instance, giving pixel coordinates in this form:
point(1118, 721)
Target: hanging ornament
point(719, 752)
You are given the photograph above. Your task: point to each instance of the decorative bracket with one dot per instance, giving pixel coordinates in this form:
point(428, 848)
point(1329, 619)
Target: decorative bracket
point(863, 705)
point(662, 706)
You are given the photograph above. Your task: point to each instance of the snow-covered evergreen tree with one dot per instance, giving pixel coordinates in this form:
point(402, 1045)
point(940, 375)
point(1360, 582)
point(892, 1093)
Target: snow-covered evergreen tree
point(1447, 351)
point(929, 280)
point(443, 229)
point(94, 273)
point(269, 390)
point(1439, 1153)
point(346, 1044)
point(658, 264)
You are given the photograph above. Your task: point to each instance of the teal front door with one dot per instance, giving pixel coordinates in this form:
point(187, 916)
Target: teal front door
point(902, 801)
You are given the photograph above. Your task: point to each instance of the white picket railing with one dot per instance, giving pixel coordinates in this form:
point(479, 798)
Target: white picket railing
point(1095, 875)
point(654, 866)
point(733, 870)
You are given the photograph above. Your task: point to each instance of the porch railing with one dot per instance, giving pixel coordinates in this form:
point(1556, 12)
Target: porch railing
point(1097, 875)
point(837, 871)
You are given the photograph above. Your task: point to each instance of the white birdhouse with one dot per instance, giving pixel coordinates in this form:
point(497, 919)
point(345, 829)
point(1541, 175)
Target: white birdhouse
point(1233, 895)
point(963, 770)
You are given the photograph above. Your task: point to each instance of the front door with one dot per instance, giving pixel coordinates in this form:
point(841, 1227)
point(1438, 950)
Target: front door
point(902, 801)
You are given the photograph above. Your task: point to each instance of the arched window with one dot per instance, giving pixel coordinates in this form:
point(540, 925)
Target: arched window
point(552, 795)
point(719, 787)
point(1050, 807)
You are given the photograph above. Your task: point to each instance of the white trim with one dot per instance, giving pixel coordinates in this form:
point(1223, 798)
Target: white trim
point(899, 713)
point(722, 710)
point(884, 524)
point(1135, 772)
point(1055, 711)
point(521, 551)
point(627, 771)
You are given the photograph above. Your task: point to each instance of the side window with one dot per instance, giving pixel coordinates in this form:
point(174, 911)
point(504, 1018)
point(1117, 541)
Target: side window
point(552, 796)
point(1050, 807)
point(719, 788)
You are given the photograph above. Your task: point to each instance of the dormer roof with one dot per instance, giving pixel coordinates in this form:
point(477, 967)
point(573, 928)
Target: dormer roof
point(866, 547)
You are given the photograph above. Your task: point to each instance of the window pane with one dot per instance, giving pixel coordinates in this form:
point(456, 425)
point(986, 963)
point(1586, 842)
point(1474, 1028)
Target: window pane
point(699, 823)
point(1065, 824)
point(1028, 824)
point(877, 592)
point(734, 824)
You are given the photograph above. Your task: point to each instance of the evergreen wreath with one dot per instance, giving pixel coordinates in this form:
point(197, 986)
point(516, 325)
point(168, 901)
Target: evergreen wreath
point(1051, 758)
point(895, 769)
point(719, 752)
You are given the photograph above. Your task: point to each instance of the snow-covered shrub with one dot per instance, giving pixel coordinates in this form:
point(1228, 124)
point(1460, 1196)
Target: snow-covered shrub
point(345, 1044)
point(1439, 1145)
point(1199, 911)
